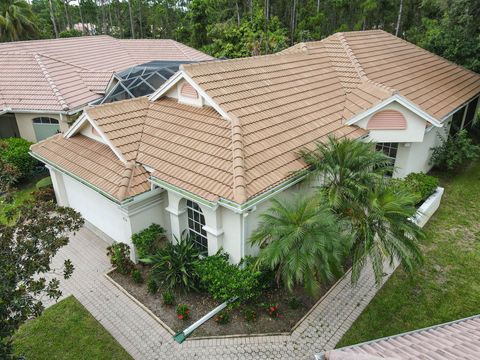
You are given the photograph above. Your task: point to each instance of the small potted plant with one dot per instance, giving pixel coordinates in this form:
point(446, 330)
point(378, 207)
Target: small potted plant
point(183, 312)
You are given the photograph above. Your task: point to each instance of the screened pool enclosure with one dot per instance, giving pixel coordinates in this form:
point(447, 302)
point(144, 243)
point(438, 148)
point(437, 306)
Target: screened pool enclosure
point(140, 80)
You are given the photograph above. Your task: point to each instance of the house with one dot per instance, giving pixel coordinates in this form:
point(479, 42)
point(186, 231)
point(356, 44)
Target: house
point(45, 84)
point(209, 148)
point(459, 339)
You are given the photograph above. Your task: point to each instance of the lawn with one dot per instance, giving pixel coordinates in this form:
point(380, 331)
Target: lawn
point(447, 286)
point(23, 193)
point(67, 331)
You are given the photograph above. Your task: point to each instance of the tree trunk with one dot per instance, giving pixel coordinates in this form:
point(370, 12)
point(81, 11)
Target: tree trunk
point(238, 13)
point(131, 19)
point(52, 17)
point(81, 17)
point(104, 26)
point(399, 19)
point(140, 18)
point(294, 15)
point(67, 15)
point(318, 6)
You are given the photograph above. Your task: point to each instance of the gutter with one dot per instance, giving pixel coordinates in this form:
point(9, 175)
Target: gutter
point(93, 187)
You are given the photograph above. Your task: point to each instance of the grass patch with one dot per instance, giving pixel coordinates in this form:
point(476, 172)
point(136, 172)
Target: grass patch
point(66, 331)
point(23, 193)
point(447, 286)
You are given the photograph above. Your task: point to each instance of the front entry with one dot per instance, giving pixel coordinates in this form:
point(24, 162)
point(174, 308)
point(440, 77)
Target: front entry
point(8, 126)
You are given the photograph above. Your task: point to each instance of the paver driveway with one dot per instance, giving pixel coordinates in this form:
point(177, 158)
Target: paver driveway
point(145, 338)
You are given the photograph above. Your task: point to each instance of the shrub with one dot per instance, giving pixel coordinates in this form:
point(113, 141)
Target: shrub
point(149, 241)
point(44, 194)
point(294, 303)
point(45, 182)
point(15, 151)
point(137, 276)
point(152, 286)
point(183, 312)
point(224, 281)
point(455, 151)
point(175, 264)
point(419, 184)
point(120, 257)
point(223, 318)
point(250, 315)
point(272, 310)
point(168, 298)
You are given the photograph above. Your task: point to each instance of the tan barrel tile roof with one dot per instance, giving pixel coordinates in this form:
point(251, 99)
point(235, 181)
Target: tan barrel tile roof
point(95, 163)
point(276, 105)
point(456, 340)
point(64, 74)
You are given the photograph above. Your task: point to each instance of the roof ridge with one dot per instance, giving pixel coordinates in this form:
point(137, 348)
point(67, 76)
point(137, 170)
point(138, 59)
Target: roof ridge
point(238, 162)
point(125, 181)
point(50, 81)
point(178, 47)
point(356, 64)
point(63, 61)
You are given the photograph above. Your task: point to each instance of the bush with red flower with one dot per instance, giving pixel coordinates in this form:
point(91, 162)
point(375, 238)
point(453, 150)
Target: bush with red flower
point(183, 312)
point(272, 310)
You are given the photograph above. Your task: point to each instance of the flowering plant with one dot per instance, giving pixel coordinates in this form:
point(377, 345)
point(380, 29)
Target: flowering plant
point(272, 310)
point(183, 312)
point(222, 318)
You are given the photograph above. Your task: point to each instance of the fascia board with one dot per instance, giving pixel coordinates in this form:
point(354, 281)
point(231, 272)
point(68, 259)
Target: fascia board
point(402, 101)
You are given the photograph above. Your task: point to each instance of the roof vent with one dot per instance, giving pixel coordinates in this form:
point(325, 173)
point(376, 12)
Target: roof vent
point(387, 120)
point(188, 91)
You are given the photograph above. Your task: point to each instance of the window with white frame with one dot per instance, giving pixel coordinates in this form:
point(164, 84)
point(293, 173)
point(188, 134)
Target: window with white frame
point(389, 149)
point(196, 222)
point(45, 121)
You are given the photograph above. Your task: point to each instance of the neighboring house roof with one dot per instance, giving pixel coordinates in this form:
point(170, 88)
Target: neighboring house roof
point(455, 340)
point(64, 74)
point(264, 109)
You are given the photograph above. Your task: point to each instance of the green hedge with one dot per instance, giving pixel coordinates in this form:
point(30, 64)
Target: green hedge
point(419, 184)
point(224, 281)
point(149, 241)
point(15, 151)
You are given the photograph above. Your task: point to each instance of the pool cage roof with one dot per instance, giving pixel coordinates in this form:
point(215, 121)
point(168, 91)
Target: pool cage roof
point(141, 80)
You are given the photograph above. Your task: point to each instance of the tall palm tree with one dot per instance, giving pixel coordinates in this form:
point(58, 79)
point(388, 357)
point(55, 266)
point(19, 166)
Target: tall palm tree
point(383, 231)
point(16, 20)
point(346, 168)
point(303, 241)
point(352, 177)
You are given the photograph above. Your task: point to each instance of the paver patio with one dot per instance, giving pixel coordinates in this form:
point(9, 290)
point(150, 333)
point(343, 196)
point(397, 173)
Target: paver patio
point(144, 338)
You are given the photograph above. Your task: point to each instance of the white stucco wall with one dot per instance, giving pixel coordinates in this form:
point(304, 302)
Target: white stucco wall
point(25, 124)
point(413, 133)
point(415, 157)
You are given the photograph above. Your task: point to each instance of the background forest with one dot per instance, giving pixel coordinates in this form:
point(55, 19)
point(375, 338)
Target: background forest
point(236, 28)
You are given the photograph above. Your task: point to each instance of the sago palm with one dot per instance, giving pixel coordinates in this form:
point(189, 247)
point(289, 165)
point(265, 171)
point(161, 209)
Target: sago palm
point(345, 168)
point(383, 231)
point(16, 20)
point(302, 240)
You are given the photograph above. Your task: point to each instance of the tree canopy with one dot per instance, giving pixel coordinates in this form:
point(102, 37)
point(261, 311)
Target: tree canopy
point(235, 28)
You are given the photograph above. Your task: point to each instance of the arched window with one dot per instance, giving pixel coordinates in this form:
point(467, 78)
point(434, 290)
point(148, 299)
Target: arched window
point(45, 120)
point(196, 222)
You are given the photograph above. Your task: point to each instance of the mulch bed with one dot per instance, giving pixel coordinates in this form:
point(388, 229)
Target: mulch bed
point(201, 303)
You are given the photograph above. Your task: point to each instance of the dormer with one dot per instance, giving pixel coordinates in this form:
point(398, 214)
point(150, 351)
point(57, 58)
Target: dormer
point(89, 131)
point(185, 93)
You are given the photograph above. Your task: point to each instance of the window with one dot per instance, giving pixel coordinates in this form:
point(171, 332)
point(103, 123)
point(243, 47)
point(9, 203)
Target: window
point(196, 222)
point(389, 149)
point(45, 121)
point(472, 107)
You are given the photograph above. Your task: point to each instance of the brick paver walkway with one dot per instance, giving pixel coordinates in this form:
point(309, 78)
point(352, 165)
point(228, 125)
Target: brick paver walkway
point(145, 338)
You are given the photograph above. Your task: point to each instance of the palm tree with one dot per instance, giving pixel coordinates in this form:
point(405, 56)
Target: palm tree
point(303, 241)
point(16, 20)
point(353, 180)
point(346, 168)
point(383, 231)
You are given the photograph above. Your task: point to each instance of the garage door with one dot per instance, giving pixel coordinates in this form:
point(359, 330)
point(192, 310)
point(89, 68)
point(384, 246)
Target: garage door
point(45, 127)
